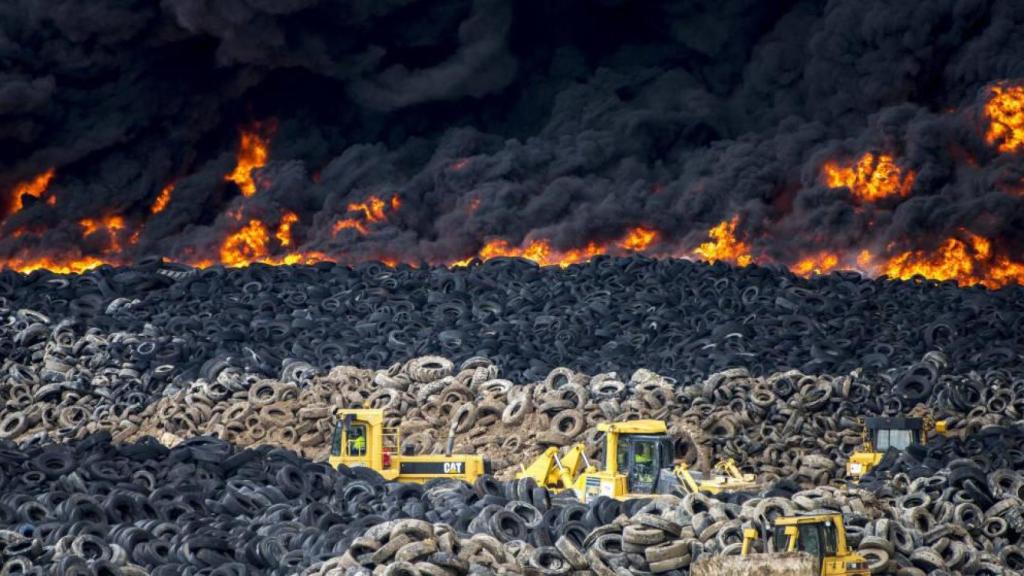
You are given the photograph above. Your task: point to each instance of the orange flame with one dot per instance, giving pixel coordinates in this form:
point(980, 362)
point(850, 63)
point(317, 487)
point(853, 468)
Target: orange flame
point(252, 154)
point(373, 209)
point(161, 201)
point(969, 261)
point(70, 266)
point(373, 212)
point(541, 252)
point(91, 226)
point(538, 251)
point(820, 263)
point(350, 224)
point(252, 244)
point(112, 225)
point(638, 239)
point(34, 188)
point(1005, 111)
point(245, 246)
point(724, 245)
point(870, 179)
point(284, 229)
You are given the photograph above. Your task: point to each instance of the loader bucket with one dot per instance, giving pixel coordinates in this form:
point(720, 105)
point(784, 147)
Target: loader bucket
point(776, 564)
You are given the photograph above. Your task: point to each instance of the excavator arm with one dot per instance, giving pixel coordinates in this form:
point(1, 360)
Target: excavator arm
point(554, 472)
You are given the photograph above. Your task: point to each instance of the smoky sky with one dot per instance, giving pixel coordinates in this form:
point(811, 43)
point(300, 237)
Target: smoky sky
point(570, 121)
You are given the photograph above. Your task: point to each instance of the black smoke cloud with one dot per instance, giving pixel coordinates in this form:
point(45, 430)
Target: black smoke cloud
point(570, 121)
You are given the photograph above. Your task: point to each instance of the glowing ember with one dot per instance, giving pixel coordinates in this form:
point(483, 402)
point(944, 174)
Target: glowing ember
point(297, 258)
point(395, 203)
point(724, 245)
point(969, 261)
point(110, 223)
point(34, 188)
point(252, 154)
point(1005, 111)
point(284, 229)
point(871, 178)
point(459, 164)
point(638, 239)
point(51, 200)
point(864, 260)
point(162, 200)
point(821, 263)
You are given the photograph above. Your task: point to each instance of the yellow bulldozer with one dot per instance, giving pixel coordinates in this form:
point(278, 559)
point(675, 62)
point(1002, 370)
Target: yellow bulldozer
point(361, 439)
point(808, 545)
point(879, 435)
point(639, 460)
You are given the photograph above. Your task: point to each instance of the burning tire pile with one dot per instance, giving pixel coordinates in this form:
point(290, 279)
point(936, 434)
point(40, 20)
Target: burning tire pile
point(169, 421)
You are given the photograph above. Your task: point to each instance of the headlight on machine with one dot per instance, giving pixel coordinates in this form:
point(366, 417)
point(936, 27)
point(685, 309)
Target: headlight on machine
point(856, 565)
point(855, 468)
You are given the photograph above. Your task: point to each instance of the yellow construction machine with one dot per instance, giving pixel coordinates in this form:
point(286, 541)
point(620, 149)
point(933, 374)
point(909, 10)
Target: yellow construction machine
point(360, 439)
point(799, 546)
point(879, 435)
point(639, 460)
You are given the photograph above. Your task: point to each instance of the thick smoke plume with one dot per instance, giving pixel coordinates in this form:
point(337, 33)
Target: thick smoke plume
point(815, 135)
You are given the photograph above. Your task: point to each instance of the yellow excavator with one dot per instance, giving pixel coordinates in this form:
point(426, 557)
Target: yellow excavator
point(879, 435)
point(808, 545)
point(639, 460)
point(361, 439)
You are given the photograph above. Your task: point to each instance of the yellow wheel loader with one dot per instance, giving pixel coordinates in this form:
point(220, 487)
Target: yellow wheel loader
point(639, 460)
point(798, 546)
point(360, 439)
point(879, 435)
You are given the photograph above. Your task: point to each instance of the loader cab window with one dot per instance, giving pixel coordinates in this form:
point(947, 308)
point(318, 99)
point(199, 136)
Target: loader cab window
point(622, 455)
point(336, 438)
point(644, 461)
point(357, 440)
point(829, 539)
point(894, 438)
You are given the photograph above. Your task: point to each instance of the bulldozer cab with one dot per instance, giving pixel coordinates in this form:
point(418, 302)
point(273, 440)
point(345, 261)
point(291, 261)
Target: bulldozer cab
point(349, 438)
point(821, 536)
point(641, 458)
point(883, 434)
point(360, 439)
point(896, 433)
point(817, 539)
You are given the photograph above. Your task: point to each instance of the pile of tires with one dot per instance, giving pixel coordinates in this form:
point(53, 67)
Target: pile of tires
point(784, 425)
point(157, 326)
point(204, 507)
